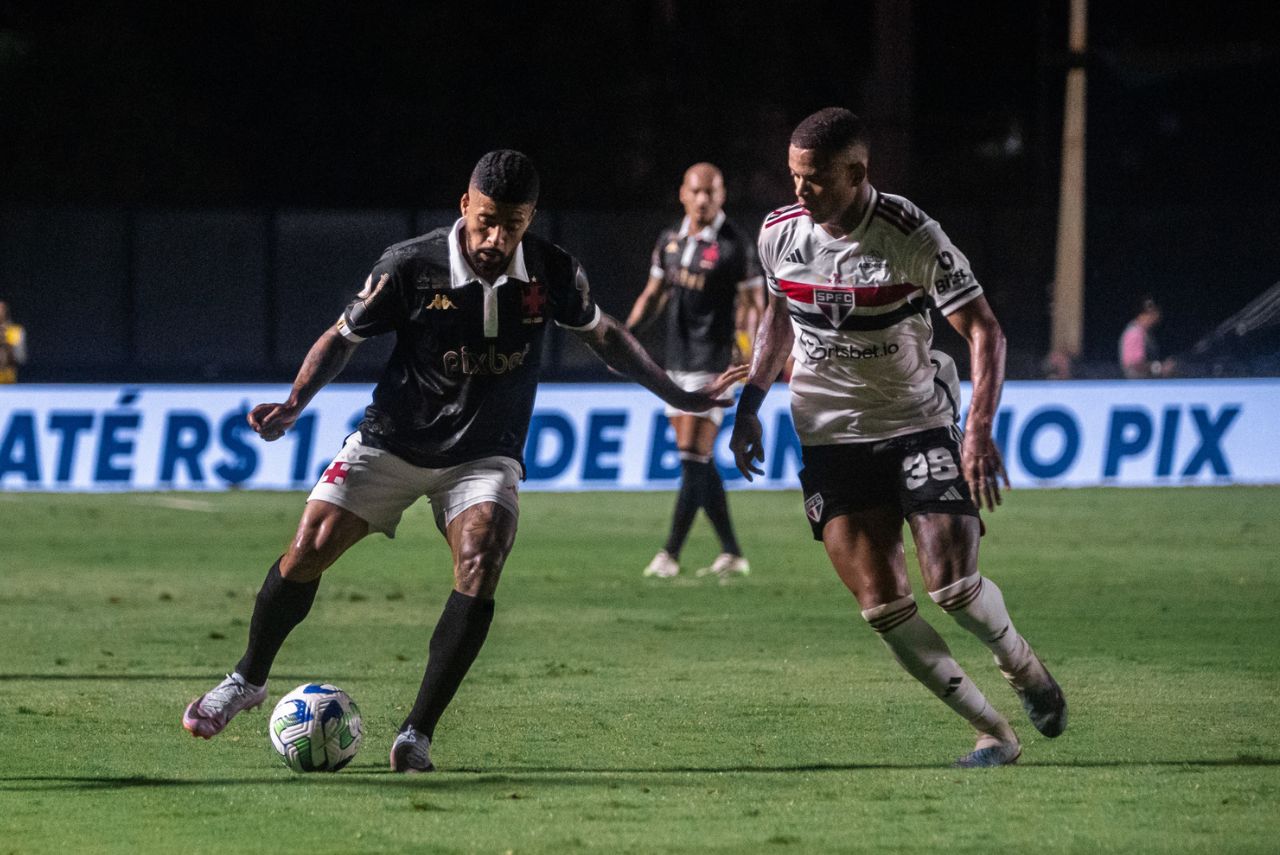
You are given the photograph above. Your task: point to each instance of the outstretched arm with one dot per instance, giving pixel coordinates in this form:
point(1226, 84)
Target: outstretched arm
point(980, 457)
point(621, 352)
point(773, 343)
point(325, 361)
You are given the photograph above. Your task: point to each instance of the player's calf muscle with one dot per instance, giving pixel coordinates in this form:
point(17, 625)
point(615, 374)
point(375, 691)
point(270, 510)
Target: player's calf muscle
point(324, 534)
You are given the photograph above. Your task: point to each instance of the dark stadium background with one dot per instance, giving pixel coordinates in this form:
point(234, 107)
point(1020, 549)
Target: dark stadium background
point(190, 191)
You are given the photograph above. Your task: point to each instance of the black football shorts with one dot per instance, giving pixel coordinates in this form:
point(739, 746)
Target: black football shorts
point(917, 473)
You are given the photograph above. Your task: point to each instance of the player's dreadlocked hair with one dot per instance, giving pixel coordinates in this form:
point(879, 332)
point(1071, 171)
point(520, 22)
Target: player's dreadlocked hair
point(506, 176)
point(829, 130)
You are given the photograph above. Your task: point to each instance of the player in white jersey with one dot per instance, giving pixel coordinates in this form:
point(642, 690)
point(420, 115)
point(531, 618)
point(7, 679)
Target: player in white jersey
point(852, 276)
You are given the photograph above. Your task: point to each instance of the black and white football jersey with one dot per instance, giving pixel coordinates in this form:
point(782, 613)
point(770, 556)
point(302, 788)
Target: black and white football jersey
point(703, 272)
point(460, 382)
point(859, 308)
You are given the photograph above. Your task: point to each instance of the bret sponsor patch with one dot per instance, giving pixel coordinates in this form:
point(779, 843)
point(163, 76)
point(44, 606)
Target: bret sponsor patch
point(813, 507)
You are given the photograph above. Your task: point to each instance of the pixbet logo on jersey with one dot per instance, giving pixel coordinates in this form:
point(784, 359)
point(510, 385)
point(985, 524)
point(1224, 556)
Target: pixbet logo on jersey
point(491, 361)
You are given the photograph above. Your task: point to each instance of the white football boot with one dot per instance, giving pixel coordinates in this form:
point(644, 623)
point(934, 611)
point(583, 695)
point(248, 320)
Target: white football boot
point(411, 752)
point(663, 566)
point(208, 714)
point(726, 566)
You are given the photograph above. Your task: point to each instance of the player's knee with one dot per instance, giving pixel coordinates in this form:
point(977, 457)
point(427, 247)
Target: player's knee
point(310, 554)
point(947, 547)
point(478, 570)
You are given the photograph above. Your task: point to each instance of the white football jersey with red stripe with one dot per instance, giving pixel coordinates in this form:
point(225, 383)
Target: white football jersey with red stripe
point(859, 308)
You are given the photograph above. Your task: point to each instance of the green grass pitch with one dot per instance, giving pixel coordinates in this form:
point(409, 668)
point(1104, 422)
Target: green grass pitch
point(611, 713)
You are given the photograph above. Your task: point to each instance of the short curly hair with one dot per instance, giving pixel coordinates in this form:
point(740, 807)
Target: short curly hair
point(506, 176)
point(829, 130)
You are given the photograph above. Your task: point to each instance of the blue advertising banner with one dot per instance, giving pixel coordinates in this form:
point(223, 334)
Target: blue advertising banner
point(615, 437)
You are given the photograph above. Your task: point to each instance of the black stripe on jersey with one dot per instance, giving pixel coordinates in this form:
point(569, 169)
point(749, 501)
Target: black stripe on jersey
point(897, 217)
point(866, 323)
point(896, 223)
point(910, 216)
point(955, 405)
point(957, 296)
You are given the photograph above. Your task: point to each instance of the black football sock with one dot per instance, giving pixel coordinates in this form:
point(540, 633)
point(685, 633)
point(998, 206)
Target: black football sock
point(688, 500)
point(717, 506)
point(281, 605)
point(456, 642)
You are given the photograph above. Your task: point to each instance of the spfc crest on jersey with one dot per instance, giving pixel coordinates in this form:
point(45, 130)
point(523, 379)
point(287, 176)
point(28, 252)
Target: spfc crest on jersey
point(813, 507)
point(835, 305)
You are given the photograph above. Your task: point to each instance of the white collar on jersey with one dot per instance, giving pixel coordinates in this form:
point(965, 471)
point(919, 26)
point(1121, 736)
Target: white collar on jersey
point(460, 272)
point(708, 233)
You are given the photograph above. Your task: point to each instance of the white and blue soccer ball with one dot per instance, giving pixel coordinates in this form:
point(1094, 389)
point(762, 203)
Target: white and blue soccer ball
point(316, 728)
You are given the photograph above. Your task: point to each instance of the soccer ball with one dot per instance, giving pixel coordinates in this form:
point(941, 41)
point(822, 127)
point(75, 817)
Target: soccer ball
point(316, 728)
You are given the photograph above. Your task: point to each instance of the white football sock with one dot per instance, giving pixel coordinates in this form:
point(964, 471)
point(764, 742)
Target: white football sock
point(922, 652)
point(978, 606)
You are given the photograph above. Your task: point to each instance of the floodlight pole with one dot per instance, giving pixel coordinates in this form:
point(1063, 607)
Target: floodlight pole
point(1068, 281)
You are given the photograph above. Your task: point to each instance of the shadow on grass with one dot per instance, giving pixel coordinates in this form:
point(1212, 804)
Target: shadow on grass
point(550, 775)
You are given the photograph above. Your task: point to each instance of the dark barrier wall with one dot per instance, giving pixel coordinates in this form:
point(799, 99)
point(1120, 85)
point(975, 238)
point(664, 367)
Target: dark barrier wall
point(240, 294)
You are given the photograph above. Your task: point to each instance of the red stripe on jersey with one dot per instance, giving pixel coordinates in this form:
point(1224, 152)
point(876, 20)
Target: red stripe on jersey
point(865, 295)
point(883, 295)
point(801, 292)
point(800, 213)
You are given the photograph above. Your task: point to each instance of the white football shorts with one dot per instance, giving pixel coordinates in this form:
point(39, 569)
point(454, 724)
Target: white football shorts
point(689, 381)
point(378, 486)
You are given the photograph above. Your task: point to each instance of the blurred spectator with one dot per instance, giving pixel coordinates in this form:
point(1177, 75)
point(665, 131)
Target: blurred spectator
point(13, 346)
point(1139, 354)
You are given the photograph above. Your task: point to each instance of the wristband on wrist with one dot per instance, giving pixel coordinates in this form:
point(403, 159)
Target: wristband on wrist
point(751, 399)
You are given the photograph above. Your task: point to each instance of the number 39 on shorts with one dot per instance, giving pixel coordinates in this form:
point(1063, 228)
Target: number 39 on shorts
point(936, 463)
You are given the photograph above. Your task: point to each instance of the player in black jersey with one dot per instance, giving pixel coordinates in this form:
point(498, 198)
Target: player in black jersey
point(469, 306)
point(705, 274)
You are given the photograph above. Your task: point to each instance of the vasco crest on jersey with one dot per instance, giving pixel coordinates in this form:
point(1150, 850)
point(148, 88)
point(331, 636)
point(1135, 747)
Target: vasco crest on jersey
point(710, 255)
point(534, 298)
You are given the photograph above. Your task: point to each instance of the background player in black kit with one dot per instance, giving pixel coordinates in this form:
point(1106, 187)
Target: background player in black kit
point(705, 274)
point(469, 306)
